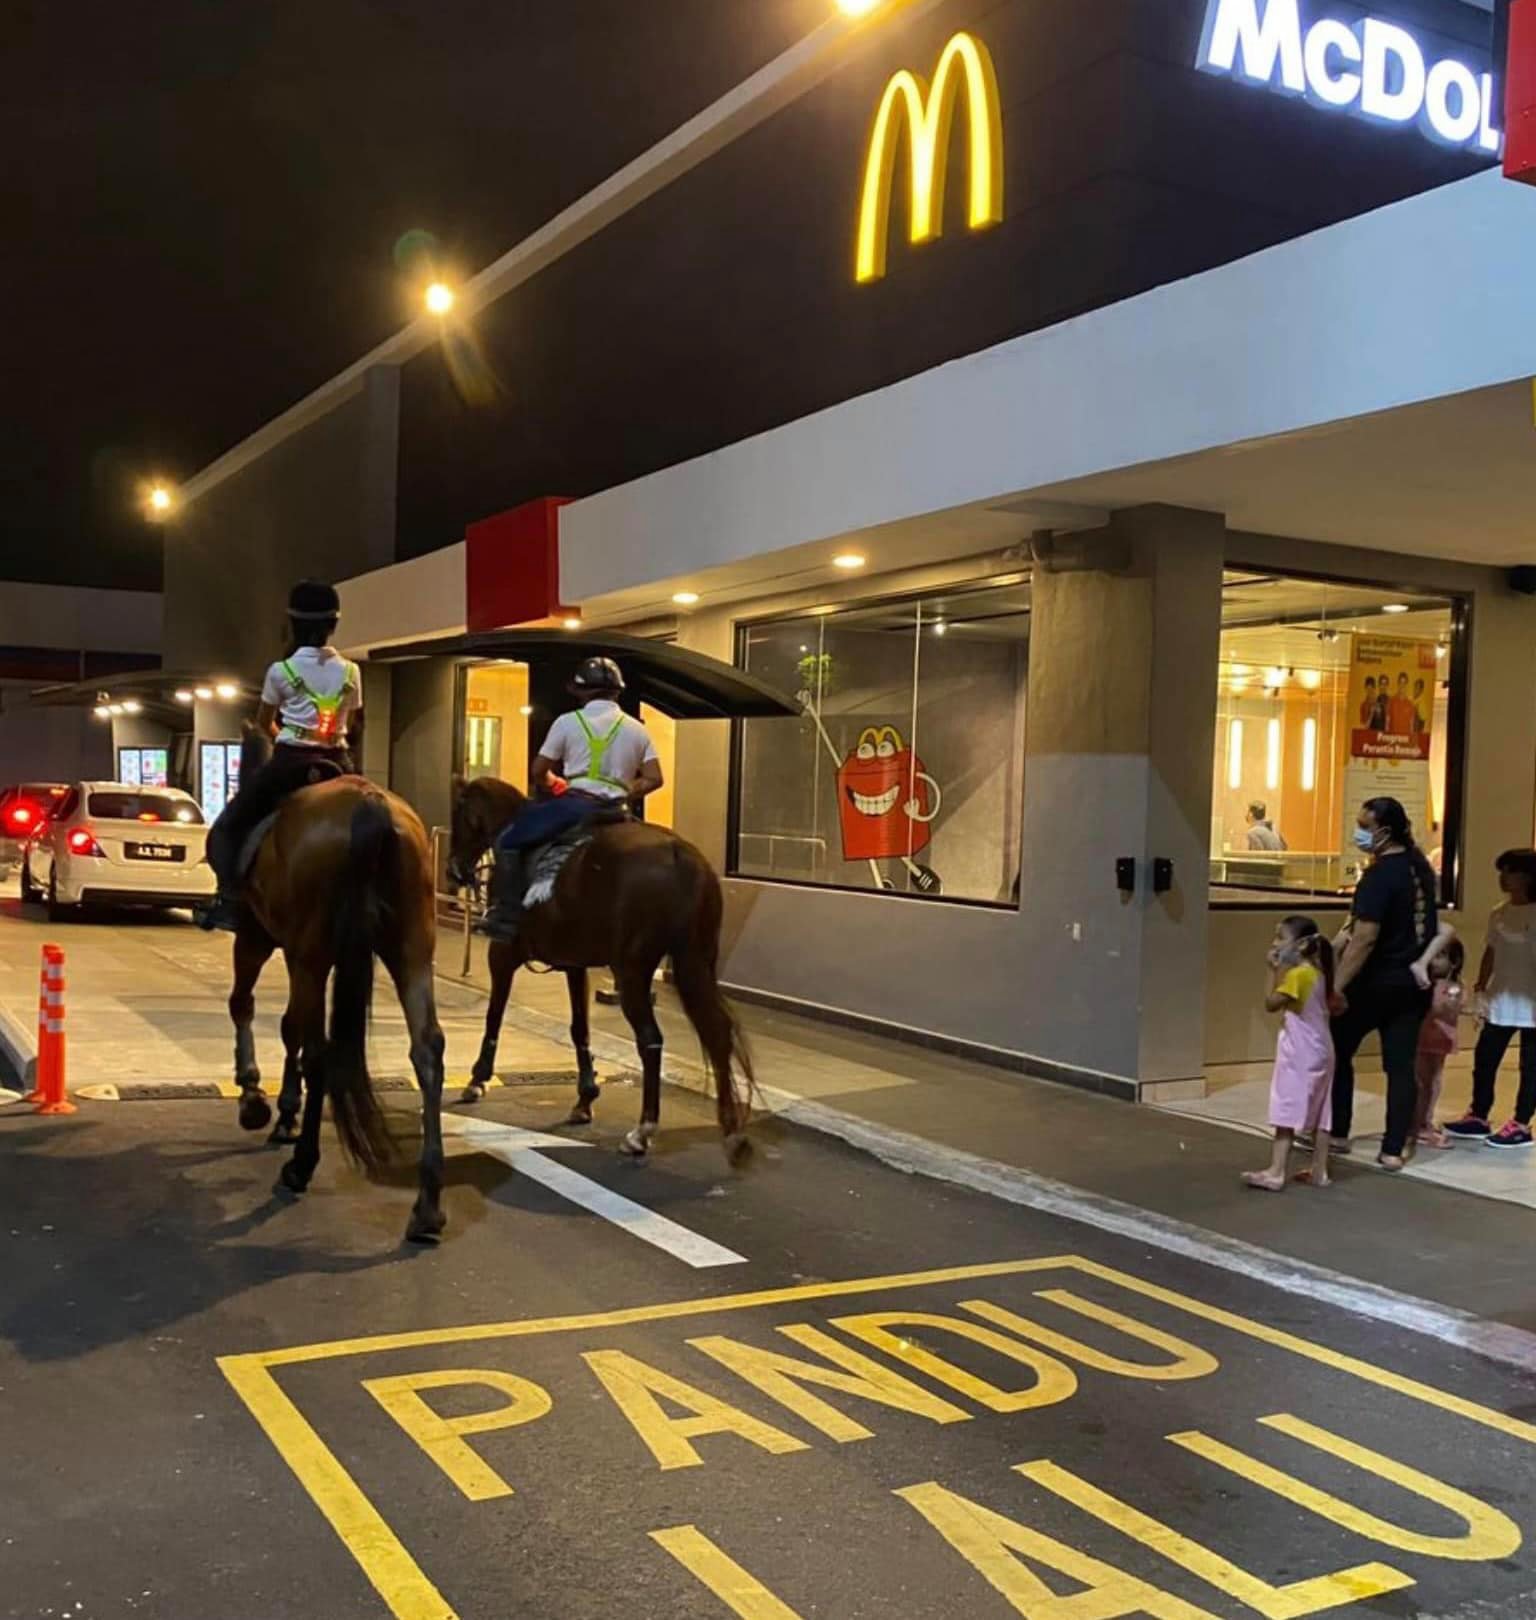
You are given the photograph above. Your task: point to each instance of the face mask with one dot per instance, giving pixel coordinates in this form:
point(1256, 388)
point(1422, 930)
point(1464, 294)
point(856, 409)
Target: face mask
point(1365, 840)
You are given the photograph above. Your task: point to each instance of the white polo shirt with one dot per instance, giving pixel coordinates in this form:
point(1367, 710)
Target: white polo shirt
point(324, 671)
point(567, 746)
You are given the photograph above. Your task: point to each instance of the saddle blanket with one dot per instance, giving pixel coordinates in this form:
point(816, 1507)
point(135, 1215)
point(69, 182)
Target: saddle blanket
point(548, 862)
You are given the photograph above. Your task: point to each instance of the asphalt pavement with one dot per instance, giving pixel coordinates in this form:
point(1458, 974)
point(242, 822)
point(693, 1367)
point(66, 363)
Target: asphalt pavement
point(818, 1388)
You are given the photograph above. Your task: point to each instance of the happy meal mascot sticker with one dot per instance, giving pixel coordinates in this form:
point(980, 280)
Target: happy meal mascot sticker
point(887, 804)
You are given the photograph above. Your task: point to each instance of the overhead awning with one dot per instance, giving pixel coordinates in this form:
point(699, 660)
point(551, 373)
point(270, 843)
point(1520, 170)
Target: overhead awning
point(686, 685)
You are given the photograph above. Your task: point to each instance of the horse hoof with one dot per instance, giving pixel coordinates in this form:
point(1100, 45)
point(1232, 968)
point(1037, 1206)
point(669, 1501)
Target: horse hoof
point(579, 1115)
point(293, 1178)
point(425, 1229)
point(738, 1149)
point(284, 1134)
point(635, 1145)
point(255, 1112)
point(474, 1092)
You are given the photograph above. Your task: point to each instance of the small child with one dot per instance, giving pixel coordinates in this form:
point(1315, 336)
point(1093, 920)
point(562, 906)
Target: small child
point(1301, 1089)
point(1439, 1038)
point(1507, 979)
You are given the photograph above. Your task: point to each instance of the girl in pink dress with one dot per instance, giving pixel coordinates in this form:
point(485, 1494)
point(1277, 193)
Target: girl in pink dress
point(1440, 1036)
point(1301, 1090)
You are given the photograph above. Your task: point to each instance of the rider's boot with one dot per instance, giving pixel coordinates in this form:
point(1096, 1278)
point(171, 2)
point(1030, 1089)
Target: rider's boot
point(223, 912)
point(501, 921)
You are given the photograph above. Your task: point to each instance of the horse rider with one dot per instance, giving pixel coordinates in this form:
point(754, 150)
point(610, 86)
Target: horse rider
point(596, 758)
point(312, 705)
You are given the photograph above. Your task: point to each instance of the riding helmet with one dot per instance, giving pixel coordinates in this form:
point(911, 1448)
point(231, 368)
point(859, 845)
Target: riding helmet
point(312, 600)
point(598, 675)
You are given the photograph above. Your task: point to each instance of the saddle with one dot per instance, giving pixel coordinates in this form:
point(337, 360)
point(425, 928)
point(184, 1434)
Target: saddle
point(547, 861)
point(321, 770)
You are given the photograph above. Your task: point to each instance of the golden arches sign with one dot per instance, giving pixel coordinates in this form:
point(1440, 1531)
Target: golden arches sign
point(964, 63)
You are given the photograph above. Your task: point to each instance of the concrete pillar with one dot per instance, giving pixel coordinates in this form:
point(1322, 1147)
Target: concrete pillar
point(1119, 748)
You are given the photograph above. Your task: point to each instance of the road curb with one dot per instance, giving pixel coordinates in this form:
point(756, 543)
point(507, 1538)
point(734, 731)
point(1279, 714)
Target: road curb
point(227, 1090)
point(917, 1155)
point(18, 1045)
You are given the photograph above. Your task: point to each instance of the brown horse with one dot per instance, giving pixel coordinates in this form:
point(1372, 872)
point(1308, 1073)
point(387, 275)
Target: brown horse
point(626, 900)
point(345, 874)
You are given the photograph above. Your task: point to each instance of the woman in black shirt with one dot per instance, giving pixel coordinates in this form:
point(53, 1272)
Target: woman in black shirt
point(1392, 923)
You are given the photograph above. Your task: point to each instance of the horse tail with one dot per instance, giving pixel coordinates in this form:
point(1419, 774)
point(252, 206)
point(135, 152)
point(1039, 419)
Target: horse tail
point(695, 963)
point(359, 1120)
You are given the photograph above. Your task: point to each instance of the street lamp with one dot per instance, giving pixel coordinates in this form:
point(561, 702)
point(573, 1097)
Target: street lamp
point(159, 500)
point(439, 298)
point(858, 8)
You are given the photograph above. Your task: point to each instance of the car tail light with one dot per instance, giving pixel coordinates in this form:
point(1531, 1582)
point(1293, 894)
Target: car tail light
point(83, 842)
point(21, 818)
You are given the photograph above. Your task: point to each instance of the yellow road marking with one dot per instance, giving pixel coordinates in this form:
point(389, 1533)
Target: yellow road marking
point(416, 1338)
point(741, 1593)
point(407, 1590)
point(1336, 1359)
point(364, 1531)
point(443, 1438)
point(1312, 1596)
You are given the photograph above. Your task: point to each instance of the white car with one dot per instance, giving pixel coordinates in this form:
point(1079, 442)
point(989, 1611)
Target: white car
point(114, 844)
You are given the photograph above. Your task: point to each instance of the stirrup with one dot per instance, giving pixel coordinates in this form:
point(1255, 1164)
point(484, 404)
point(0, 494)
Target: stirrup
point(222, 913)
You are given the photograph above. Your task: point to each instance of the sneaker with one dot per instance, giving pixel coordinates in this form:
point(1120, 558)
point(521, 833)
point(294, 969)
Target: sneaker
point(1512, 1135)
point(1470, 1127)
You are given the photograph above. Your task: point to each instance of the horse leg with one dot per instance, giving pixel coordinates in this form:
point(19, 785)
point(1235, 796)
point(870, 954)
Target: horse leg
point(635, 998)
point(587, 1088)
point(503, 962)
point(291, 1097)
point(420, 1005)
point(251, 952)
point(306, 1005)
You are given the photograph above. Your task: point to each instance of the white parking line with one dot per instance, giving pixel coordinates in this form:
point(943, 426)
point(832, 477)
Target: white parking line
point(523, 1151)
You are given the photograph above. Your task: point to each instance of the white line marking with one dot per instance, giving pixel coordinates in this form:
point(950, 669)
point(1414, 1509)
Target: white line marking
point(523, 1151)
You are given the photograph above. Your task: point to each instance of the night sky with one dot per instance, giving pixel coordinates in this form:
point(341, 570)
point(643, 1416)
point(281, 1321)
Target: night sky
point(204, 200)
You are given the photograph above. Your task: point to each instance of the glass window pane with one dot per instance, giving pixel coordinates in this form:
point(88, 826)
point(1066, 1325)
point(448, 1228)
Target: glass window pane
point(905, 773)
point(1329, 693)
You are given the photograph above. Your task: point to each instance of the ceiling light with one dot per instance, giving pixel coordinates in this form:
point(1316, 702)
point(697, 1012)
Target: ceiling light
point(1274, 678)
point(1311, 679)
point(227, 690)
point(102, 712)
point(686, 598)
point(526, 710)
point(848, 560)
point(131, 706)
point(573, 624)
point(1242, 669)
point(858, 8)
point(941, 628)
point(114, 708)
point(204, 692)
point(1396, 607)
point(183, 695)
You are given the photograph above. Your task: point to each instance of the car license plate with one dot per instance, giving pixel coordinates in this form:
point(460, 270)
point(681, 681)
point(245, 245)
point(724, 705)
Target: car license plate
point(155, 852)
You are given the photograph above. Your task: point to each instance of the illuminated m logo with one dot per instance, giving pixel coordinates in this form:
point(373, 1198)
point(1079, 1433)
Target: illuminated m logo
point(965, 64)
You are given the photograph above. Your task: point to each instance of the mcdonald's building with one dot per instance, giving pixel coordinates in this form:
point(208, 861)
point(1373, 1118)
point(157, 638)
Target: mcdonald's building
point(1110, 422)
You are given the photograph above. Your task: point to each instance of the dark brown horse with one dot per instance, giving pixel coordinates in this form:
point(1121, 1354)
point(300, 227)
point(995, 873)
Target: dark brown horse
point(344, 875)
point(631, 897)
